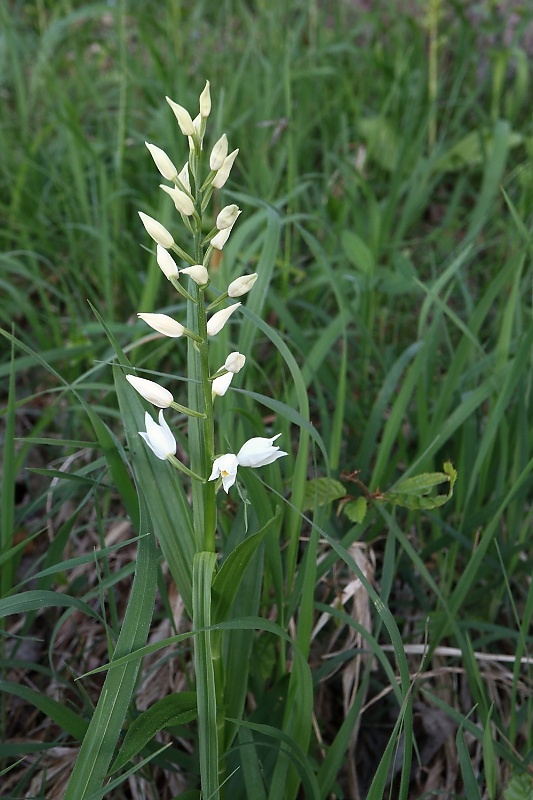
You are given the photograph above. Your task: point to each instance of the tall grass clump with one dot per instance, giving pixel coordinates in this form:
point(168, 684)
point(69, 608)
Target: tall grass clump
point(352, 619)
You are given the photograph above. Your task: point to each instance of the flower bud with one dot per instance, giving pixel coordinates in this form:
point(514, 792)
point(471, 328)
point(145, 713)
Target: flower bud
point(220, 239)
point(258, 452)
point(221, 384)
point(162, 162)
point(223, 173)
point(151, 391)
point(205, 101)
point(242, 285)
point(235, 362)
point(183, 202)
point(219, 153)
point(166, 263)
point(184, 176)
point(198, 273)
point(227, 217)
point(184, 118)
point(218, 320)
point(197, 125)
point(157, 231)
point(163, 324)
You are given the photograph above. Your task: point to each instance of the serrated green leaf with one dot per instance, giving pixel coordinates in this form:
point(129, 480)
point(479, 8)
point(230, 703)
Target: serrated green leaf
point(355, 510)
point(520, 787)
point(175, 709)
point(320, 491)
point(413, 493)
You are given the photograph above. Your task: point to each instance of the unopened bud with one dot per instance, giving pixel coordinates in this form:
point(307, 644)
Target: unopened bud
point(242, 285)
point(157, 231)
point(163, 324)
point(221, 384)
point(219, 153)
point(151, 391)
point(162, 162)
point(166, 263)
point(223, 173)
point(184, 176)
point(218, 320)
point(227, 217)
point(198, 273)
point(205, 101)
point(184, 118)
point(183, 202)
point(235, 362)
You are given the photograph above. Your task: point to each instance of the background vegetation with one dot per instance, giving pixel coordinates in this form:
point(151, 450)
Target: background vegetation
point(386, 180)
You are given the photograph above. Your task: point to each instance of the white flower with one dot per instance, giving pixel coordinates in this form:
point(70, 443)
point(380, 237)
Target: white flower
point(218, 320)
point(242, 285)
point(221, 384)
point(183, 202)
point(205, 101)
point(256, 452)
point(157, 231)
point(235, 362)
point(219, 240)
point(163, 324)
point(151, 391)
point(227, 217)
point(166, 263)
point(162, 162)
point(184, 118)
point(225, 467)
point(223, 173)
point(198, 273)
point(159, 438)
point(219, 153)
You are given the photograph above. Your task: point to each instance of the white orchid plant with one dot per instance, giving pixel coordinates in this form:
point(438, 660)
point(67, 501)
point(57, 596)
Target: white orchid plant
point(208, 312)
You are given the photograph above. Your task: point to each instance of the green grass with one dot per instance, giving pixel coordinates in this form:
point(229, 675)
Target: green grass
point(391, 330)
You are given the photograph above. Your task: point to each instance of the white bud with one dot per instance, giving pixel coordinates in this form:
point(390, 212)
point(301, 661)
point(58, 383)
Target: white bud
point(184, 176)
point(198, 273)
point(183, 202)
point(151, 391)
point(223, 173)
point(162, 162)
point(242, 285)
point(205, 101)
point(166, 263)
point(219, 240)
point(157, 231)
point(163, 324)
point(235, 362)
point(218, 320)
point(184, 118)
point(227, 217)
point(219, 153)
point(221, 384)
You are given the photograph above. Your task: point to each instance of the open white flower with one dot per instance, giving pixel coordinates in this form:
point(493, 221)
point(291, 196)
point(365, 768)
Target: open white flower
point(256, 452)
point(164, 324)
point(151, 391)
point(159, 438)
point(218, 320)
